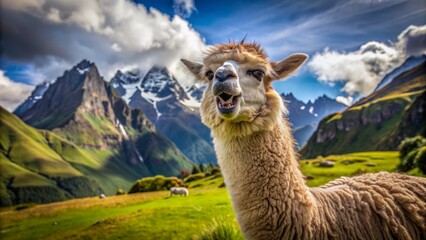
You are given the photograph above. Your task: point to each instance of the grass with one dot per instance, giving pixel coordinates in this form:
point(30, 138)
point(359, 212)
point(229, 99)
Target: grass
point(348, 165)
point(220, 230)
point(145, 216)
point(205, 214)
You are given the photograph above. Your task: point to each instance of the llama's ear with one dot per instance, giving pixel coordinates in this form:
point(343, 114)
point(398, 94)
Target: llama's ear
point(193, 67)
point(288, 66)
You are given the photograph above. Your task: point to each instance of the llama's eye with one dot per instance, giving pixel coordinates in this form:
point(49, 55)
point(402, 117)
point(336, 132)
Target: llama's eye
point(209, 74)
point(258, 74)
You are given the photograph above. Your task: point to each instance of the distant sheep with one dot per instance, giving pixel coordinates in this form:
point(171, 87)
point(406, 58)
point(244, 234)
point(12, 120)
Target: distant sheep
point(179, 191)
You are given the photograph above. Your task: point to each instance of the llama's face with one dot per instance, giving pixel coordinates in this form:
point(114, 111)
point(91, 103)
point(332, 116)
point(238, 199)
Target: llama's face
point(237, 84)
point(236, 88)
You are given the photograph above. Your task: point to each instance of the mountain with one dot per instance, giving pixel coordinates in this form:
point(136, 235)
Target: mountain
point(36, 95)
point(408, 64)
point(82, 108)
point(39, 166)
point(379, 121)
point(299, 114)
point(303, 133)
point(172, 109)
point(323, 106)
point(304, 117)
point(196, 92)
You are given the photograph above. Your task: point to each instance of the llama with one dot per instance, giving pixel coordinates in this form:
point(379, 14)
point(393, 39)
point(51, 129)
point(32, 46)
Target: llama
point(179, 191)
point(255, 150)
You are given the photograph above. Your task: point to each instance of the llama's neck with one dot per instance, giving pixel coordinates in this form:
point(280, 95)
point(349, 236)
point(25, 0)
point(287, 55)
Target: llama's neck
point(267, 189)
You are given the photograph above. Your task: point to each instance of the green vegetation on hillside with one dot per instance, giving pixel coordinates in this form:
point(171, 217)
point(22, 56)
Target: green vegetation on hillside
point(157, 183)
point(160, 155)
point(39, 166)
point(90, 132)
point(412, 153)
point(367, 137)
point(150, 215)
point(347, 165)
point(206, 212)
point(376, 123)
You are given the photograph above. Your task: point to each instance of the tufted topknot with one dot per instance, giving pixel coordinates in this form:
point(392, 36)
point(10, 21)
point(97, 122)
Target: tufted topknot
point(240, 47)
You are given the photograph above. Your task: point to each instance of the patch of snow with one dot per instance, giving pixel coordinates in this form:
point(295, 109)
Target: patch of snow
point(139, 155)
point(302, 108)
point(129, 77)
point(311, 110)
point(156, 110)
point(152, 97)
point(191, 103)
point(83, 71)
point(38, 97)
point(155, 80)
point(122, 130)
point(130, 90)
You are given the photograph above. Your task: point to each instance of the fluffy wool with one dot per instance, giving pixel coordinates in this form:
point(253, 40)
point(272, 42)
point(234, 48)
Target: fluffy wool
point(268, 190)
point(272, 201)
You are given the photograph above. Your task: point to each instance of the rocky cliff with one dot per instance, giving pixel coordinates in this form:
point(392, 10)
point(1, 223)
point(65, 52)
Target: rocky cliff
point(379, 121)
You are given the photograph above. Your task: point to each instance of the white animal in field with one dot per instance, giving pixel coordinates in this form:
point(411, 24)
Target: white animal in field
point(179, 191)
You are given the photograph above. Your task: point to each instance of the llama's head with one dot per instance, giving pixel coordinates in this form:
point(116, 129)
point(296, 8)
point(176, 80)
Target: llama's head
point(239, 92)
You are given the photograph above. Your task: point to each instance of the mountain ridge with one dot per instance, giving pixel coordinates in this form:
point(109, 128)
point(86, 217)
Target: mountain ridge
point(172, 109)
point(87, 111)
point(373, 122)
point(305, 117)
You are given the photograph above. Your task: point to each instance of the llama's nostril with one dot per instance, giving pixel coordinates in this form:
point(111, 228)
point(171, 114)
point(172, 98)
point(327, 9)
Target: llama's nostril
point(221, 76)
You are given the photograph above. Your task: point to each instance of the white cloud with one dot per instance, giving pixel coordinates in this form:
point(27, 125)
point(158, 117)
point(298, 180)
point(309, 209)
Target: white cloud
point(360, 71)
point(113, 34)
point(12, 93)
point(345, 100)
point(412, 41)
point(184, 8)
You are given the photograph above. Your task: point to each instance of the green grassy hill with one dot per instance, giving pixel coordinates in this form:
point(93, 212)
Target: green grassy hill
point(154, 215)
point(348, 165)
point(378, 122)
point(39, 166)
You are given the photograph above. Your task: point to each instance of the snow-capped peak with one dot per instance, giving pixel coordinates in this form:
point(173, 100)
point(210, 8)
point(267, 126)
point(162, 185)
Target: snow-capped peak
point(157, 92)
point(83, 71)
point(159, 84)
point(36, 95)
point(83, 66)
point(128, 77)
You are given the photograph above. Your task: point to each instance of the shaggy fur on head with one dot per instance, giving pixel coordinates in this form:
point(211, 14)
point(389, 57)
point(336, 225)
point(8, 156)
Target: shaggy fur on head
point(268, 191)
point(242, 47)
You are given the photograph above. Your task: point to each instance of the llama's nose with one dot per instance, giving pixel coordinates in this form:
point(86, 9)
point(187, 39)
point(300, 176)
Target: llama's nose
point(223, 74)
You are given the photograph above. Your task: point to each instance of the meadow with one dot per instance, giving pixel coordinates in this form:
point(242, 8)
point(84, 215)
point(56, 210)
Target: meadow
point(154, 215)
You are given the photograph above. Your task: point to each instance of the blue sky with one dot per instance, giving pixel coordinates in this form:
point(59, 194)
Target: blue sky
point(285, 27)
point(43, 38)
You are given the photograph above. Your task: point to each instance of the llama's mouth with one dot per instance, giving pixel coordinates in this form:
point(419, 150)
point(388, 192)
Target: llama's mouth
point(226, 103)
